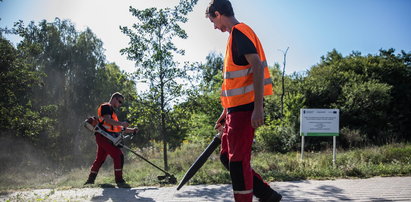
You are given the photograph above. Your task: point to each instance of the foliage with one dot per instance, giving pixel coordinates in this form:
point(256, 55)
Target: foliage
point(355, 84)
point(276, 137)
point(387, 160)
point(211, 73)
point(202, 107)
point(370, 91)
point(352, 138)
point(17, 110)
point(152, 48)
point(56, 78)
point(68, 60)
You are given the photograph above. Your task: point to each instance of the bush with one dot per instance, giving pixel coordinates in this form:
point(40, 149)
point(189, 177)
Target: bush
point(200, 131)
point(352, 138)
point(275, 137)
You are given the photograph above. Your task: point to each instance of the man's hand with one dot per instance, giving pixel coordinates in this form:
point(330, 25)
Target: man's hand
point(132, 130)
point(135, 130)
point(257, 118)
point(125, 124)
point(220, 120)
point(218, 125)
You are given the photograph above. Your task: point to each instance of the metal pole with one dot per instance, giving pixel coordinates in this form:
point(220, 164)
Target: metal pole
point(302, 147)
point(146, 160)
point(334, 149)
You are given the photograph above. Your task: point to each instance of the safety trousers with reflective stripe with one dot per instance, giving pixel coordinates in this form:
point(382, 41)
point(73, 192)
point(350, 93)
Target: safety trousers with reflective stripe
point(105, 148)
point(236, 141)
point(261, 189)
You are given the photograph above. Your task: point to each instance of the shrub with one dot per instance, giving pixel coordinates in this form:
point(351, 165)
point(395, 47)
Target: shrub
point(275, 137)
point(352, 137)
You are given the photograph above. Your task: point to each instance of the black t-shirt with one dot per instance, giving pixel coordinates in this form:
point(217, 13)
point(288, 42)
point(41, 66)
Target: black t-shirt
point(241, 45)
point(106, 110)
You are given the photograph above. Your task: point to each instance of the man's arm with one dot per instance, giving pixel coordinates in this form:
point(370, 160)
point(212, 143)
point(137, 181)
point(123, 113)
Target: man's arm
point(109, 120)
point(257, 118)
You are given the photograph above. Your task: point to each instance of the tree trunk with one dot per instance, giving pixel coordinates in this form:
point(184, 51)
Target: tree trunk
point(282, 82)
point(162, 102)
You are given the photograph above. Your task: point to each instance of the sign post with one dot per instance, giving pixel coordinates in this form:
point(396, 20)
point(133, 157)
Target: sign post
point(319, 122)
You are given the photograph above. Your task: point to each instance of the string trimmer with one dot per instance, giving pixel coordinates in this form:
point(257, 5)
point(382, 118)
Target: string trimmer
point(92, 125)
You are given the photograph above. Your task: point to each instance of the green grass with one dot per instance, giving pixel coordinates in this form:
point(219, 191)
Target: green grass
point(389, 160)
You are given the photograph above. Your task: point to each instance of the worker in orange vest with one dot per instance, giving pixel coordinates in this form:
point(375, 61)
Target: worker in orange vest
point(246, 81)
point(108, 121)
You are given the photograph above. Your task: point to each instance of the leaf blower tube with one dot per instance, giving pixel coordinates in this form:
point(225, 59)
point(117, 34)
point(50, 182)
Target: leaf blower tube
point(199, 162)
point(92, 125)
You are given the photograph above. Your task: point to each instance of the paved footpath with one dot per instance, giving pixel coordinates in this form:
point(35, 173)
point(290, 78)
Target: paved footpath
point(372, 189)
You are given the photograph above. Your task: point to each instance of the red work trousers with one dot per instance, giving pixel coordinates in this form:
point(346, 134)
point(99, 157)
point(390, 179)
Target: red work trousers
point(104, 148)
point(236, 142)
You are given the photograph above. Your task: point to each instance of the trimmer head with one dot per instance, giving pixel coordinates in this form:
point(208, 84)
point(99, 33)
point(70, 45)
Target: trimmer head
point(167, 179)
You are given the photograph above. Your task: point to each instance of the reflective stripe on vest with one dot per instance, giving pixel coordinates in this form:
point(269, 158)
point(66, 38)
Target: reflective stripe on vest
point(241, 73)
point(107, 126)
point(243, 90)
point(238, 88)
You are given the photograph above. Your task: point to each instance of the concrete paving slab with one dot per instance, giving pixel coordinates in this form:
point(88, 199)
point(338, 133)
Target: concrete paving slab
point(371, 189)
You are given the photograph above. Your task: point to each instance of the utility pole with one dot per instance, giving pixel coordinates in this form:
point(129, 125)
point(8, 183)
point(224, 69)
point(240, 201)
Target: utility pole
point(282, 81)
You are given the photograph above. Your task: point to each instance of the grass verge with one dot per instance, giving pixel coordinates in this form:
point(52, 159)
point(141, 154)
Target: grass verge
point(389, 160)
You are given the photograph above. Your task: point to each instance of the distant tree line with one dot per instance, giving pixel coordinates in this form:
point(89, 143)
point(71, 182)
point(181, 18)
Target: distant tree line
point(371, 91)
point(51, 82)
point(56, 76)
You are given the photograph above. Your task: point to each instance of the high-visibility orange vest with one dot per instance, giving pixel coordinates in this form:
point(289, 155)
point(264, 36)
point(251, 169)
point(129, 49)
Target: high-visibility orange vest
point(107, 126)
point(237, 88)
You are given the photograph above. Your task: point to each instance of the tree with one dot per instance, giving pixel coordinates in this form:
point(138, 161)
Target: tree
point(210, 75)
point(18, 114)
point(371, 92)
point(282, 81)
point(68, 60)
point(53, 80)
point(73, 81)
point(202, 107)
point(152, 49)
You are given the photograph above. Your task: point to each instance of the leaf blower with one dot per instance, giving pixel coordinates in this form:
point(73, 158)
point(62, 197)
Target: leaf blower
point(199, 162)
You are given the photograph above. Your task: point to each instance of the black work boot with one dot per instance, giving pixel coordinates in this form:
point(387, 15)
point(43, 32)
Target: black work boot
point(121, 183)
point(274, 197)
point(91, 178)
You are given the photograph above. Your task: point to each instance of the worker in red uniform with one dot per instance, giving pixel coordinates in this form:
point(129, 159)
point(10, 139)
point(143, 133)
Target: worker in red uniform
point(109, 122)
point(246, 82)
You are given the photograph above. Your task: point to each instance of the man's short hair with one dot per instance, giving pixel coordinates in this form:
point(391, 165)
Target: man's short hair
point(222, 6)
point(117, 95)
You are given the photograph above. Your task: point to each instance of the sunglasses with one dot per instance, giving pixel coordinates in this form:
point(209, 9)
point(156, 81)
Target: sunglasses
point(119, 101)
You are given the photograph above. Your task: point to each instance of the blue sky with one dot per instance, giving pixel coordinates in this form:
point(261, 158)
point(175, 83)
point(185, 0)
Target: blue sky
point(309, 28)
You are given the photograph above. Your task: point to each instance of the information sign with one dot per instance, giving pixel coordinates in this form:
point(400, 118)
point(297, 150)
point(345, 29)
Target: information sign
point(319, 122)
